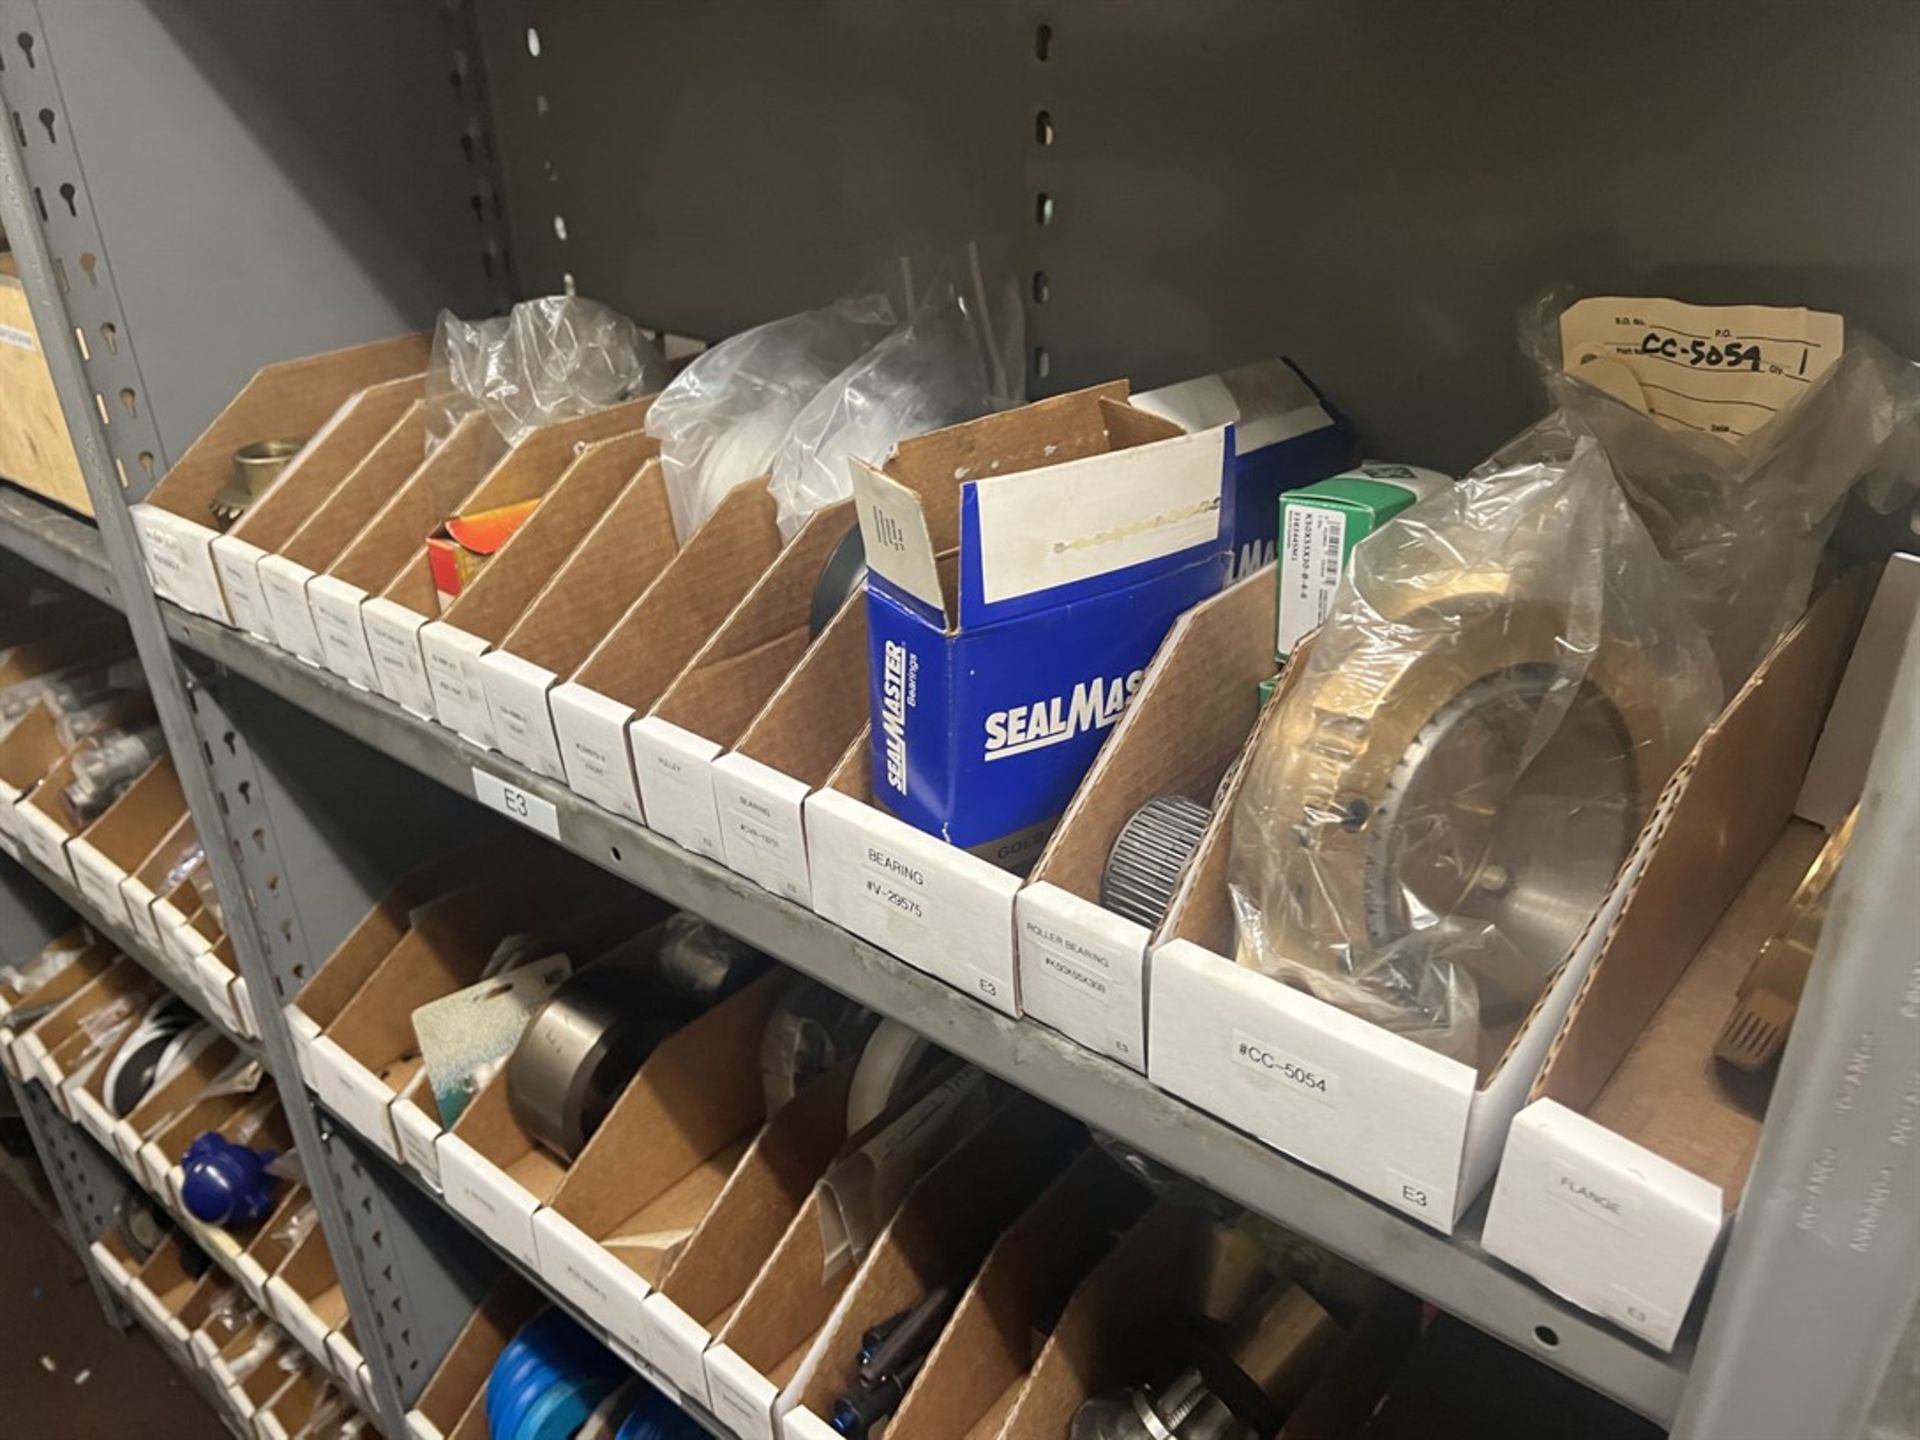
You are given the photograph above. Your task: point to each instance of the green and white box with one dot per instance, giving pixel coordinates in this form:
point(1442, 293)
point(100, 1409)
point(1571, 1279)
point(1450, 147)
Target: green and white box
point(1319, 526)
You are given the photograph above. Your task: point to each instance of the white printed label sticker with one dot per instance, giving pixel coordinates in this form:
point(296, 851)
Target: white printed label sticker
point(1312, 552)
point(516, 804)
point(18, 338)
point(1309, 1082)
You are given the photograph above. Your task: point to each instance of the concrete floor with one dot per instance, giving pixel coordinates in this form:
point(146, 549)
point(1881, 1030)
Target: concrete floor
point(52, 1334)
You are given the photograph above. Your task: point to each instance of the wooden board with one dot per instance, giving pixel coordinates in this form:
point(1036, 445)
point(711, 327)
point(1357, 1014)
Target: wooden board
point(35, 451)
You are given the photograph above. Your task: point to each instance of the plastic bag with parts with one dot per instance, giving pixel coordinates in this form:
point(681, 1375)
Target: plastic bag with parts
point(958, 357)
point(1441, 797)
point(722, 419)
point(554, 358)
point(1742, 511)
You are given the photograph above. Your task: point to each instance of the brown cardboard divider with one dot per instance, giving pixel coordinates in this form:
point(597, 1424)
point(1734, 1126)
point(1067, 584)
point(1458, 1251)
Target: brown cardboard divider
point(814, 713)
point(1186, 725)
point(97, 633)
point(974, 1375)
point(208, 1112)
point(489, 1125)
point(464, 1370)
point(753, 650)
point(128, 829)
point(373, 938)
point(165, 1274)
point(269, 1245)
point(295, 1401)
point(180, 841)
point(213, 1287)
point(123, 981)
point(311, 1274)
point(622, 554)
point(940, 1236)
point(286, 401)
point(162, 1104)
point(574, 487)
point(395, 538)
point(31, 749)
point(686, 603)
point(767, 1189)
point(452, 938)
point(330, 456)
point(663, 1154)
point(365, 490)
point(1735, 799)
point(88, 965)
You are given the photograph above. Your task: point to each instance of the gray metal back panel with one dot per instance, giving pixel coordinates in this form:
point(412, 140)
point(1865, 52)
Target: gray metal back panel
point(1374, 189)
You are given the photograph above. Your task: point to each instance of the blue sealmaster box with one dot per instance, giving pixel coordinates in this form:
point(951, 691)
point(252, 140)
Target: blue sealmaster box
point(1285, 434)
point(1024, 568)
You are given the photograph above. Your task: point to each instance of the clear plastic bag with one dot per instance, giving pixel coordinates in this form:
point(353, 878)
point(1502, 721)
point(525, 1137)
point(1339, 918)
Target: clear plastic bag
point(1443, 795)
point(957, 358)
point(106, 763)
point(1742, 518)
point(549, 359)
point(722, 419)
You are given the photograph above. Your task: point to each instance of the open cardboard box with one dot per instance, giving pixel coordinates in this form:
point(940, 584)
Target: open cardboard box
point(631, 667)
point(216, 1310)
point(1083, 969)
point(157, 1293)
point(287, 1412)
point(369, 604)
point(273, 1239)
point(330, 527)
point(33, 750)
point(123, 986)
point(318, 1002)
point(258, 1335)
point(942, 1139)
point(653, 1169)
point(619, 558)
point(97, 955)
point(312, 476)
point(260, 1121)
point(164, 1150)
point(208, 1054)
point(116, 1261)
point(977, 1370)
point(939, 1239)
point(706, 1281)
point(43, 824)
point(119, 840)
point(1622, 1171)
point(492, 1170)
point(940, 909)
point(306, 1296)
point(710, 702)
point(143, 887)
point(787, 751)
point(463, 1372)
point(1405, 1124)
point(368, 1056)
point(284, 401)
point(574, 469)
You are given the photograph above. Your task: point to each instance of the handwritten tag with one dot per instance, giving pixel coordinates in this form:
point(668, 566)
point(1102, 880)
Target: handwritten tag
point(516, 804)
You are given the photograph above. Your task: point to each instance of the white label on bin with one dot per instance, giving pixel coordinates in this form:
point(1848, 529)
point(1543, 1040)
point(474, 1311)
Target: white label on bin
point(19, 339)
point(516, 804)
point(1311, 552)
point(1309, 1082)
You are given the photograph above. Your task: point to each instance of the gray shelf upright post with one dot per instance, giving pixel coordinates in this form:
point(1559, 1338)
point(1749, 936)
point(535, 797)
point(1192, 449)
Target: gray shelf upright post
point(1822, 1271)
point(34, 176)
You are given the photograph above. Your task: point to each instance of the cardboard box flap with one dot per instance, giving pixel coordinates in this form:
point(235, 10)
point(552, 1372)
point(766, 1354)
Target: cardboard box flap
point(490, 1126)
point(281, 401)
point(1187, 723)
point(698, 1092)
point(732, 674)
point(1021, 1290)
point(910, 506)
point(1735, 793)
point(128, 829)
point(1092, 525)
point(180, 842)
point(328, 458)
point(31, 748)
point(761, 1198)
point(804, 727)
point(463, 1373)
point(366, 488)
point(697, 590)
point(577, 493)
point(622, 554)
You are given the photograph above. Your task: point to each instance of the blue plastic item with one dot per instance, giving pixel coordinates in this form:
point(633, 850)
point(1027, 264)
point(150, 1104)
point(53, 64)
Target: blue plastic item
point(548, 1380)
point(227, 1184)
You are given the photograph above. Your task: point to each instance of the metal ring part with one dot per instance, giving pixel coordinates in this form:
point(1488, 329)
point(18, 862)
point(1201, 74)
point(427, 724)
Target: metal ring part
point(578, 1052)
point(841, 578)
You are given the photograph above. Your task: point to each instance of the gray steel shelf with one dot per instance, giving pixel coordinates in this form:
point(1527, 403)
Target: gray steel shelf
point(1454, 1273)
point(57, 541)
point(130, 944)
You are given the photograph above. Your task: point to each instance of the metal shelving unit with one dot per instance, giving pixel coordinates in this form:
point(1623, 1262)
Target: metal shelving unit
point(1121, 161)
